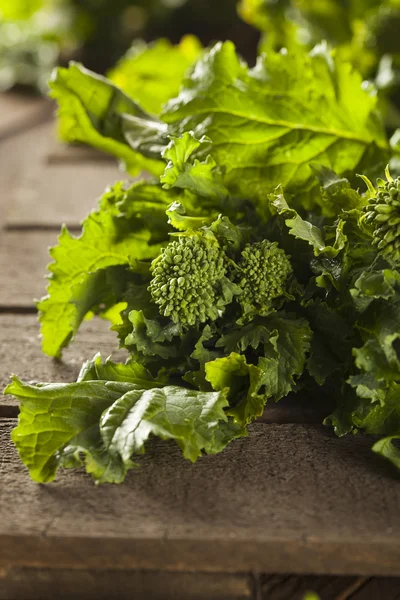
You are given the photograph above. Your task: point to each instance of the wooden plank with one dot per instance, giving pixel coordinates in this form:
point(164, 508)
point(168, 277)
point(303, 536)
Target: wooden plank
point(59, 194)
point(40, 584)
point(292, 587)
point(24, 257)
point(36, 194)
point(289, 498)
point(22, 332)
point(19, 112)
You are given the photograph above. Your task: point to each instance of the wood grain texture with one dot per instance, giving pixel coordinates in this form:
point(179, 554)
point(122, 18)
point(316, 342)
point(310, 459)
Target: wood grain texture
point(291, 587)
point(20, 352)
point(289, 498)
point(23, 258)
point(19, 112)
point(41, 584)
point(46, 195)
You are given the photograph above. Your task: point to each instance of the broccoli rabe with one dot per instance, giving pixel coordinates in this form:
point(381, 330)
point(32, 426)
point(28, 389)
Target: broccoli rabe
point(187, 278)
point(265, 271)
point(194, 279)
point(381, 217)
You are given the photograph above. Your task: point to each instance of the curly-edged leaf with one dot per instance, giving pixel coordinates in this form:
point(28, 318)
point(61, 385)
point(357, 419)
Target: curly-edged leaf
point(303, 230)
point(284, 357)
point(151, 337)
point(336, 192)
point(103, 424)
point(80, 276)
point(295, 105)
point(151, 74)
point(91, 111)
point(372, 285)
point(129, 372)
point(282, 344)
point(380, 329)
point(203, 178)
point(178, 218)
point(332, 341)
point(242, 380)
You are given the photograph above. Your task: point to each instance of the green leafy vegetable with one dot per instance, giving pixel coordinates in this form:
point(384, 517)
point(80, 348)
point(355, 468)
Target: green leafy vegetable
point(152, 74)
point(252, 268)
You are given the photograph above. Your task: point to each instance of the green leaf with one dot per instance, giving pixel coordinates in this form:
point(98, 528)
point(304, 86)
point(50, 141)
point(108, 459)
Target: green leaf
point(151, 74)
point(91, 111)
point(303, 230)
point(242, 381)
point(282, 344)
point(57, 420)
point(268, 124)
point(284, 357)
point(149, 336)
point(80, 276)
point(178, 218)
point(203, 178)
point(130, 372)
point(372, 285)
point(380, 329)
point(186, 416)
point(103, 424)
point(388, 450)
point(332, 341)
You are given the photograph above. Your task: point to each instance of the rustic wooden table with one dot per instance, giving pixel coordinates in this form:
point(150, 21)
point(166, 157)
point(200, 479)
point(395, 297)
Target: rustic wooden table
point(289, 499)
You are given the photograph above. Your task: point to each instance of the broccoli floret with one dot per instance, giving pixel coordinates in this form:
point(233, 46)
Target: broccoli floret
point(186, 282)
point(381, 216)
point(265, 272)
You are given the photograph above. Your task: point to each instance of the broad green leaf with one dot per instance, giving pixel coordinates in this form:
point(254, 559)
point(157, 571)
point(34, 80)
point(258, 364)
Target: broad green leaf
point(189, 417)
point(268, 124)
point(91, 111)
point(80, 276)
point(102, 424)
point(59, 420)
point(152, 74)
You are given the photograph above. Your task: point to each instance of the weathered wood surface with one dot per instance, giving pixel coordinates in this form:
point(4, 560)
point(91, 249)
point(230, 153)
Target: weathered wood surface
point(23, 258)
point(288, 498)
point(278, 587)
point(40, 584)
point(42, 195)
point(20, 112)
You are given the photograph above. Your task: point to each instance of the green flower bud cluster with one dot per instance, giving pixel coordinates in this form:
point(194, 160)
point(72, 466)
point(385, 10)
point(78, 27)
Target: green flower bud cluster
point(265, 270)
point(382, 217)
point(186, 280)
